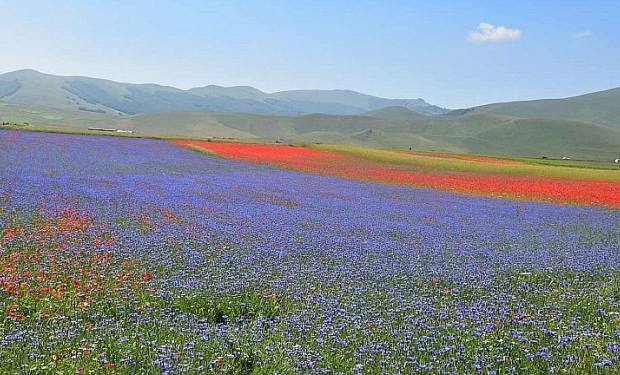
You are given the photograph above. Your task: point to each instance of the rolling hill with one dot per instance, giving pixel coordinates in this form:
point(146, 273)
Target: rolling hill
point(586, 126)
point(394, 113)
point(103, 96)
point(600, 108)
point(473, 133)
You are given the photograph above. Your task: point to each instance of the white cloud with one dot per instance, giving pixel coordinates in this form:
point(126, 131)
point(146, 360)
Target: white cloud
point(581, 34)
point(487, 32)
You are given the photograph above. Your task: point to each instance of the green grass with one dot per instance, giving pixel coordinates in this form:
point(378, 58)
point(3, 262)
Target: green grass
point(226, 308)
point(555, 169)
point(53, 116)
point(586, 164)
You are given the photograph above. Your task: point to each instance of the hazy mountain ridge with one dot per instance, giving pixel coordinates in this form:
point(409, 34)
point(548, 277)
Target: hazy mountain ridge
point(586, 126)
point(85, 93)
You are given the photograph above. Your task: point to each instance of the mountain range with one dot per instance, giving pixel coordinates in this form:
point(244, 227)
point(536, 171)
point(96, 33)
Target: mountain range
point(586, 126)
point(104, 96)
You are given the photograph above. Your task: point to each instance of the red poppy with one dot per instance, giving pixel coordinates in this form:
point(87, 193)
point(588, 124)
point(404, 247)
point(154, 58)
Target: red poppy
point(555, 189)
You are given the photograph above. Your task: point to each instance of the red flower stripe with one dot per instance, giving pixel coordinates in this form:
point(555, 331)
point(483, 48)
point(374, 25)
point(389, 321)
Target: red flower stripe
point(553, 189)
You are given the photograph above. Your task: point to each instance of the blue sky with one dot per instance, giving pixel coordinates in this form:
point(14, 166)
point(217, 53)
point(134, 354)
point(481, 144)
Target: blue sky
point(451, 53)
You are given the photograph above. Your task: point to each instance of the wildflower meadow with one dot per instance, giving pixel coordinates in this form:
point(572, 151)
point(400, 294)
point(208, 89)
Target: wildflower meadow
point(449, 172)
point(138, 256)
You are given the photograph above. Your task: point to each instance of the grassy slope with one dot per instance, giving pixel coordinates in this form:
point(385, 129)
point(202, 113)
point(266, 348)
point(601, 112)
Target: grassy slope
point(394, 113)
point(479, 134)
point(19, 113)
point(51, 91)
point(38, 89)
point(600, 107)
point(545, 136)
point(73, 92)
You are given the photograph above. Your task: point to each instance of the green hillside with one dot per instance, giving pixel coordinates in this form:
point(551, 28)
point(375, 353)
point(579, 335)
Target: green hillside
point(44, 116)
point(394, 113)
point(586, 126)
point(108, 97)
point(600, 107)
point(547, 137)
point(480, 134)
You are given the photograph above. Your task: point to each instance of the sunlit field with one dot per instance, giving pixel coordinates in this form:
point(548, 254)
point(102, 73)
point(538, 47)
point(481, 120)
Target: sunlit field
point(126, 255)
point(470, 174)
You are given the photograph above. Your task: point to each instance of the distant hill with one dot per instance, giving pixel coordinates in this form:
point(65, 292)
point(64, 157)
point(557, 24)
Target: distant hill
point(393, 113)
point(104, 96)
point(586, 126)
point(600, 108)
point(480, 134)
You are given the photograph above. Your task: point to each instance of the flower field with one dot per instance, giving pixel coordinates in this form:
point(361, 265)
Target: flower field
point(125, 255)
point(472, 174)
